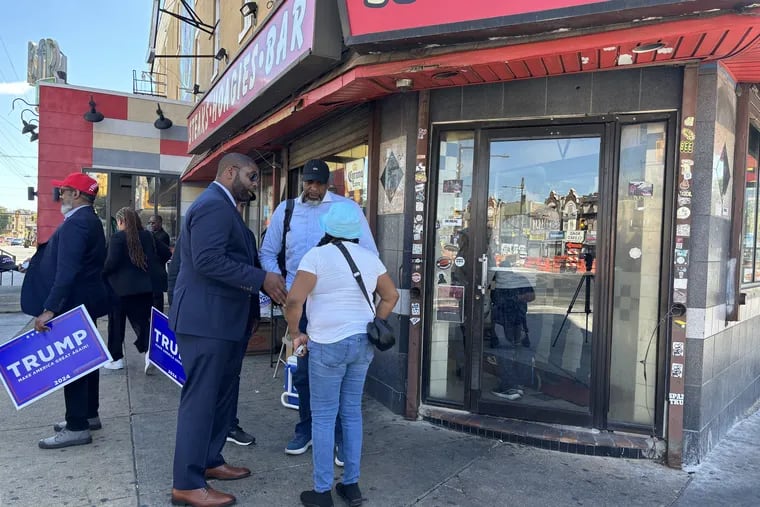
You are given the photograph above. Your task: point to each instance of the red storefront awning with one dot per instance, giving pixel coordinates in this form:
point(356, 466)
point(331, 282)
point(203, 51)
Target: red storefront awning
point(733, 39)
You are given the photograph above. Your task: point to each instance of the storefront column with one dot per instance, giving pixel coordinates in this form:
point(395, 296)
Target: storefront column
point(418, 263)
point(687, 141)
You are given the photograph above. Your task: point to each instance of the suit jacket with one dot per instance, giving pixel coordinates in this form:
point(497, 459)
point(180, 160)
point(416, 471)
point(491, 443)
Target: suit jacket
point(218, 280)
point(124, 277)
point(66, 271)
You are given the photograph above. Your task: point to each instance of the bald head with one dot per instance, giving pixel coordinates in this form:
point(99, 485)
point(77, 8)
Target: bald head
point(239, 174)
point(234, 160)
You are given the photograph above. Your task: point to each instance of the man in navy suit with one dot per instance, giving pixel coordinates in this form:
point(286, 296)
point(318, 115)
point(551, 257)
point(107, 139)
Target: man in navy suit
point(63, 274)
point(214, 309)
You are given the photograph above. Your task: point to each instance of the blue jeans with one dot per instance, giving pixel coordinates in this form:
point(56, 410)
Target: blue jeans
point(336, 373)
point(301, 383)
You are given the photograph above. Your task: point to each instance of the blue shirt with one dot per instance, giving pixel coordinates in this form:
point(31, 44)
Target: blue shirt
point(305, 232)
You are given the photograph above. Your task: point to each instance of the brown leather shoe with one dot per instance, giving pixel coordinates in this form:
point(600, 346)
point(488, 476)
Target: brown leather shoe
point(203, 497)
point(227, 472)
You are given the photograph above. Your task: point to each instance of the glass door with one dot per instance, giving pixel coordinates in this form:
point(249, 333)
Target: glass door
point(536, 296)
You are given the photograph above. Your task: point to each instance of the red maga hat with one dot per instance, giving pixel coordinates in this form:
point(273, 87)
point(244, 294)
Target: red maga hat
point(78, 181)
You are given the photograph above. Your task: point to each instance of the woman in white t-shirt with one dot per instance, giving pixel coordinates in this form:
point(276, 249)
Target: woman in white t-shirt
point(339, 350)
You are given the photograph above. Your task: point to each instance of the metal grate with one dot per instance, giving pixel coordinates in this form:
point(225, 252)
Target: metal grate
point(149, 83)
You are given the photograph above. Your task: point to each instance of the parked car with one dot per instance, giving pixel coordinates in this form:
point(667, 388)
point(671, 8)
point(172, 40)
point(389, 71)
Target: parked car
point(17, 242)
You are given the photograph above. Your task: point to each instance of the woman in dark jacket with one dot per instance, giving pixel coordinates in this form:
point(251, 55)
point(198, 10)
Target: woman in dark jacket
point(131, 269)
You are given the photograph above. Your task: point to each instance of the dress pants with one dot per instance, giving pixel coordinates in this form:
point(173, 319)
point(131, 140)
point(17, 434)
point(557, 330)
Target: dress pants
point(235, 421)
point(82, 398)
point(136, 308)
point(207, 406)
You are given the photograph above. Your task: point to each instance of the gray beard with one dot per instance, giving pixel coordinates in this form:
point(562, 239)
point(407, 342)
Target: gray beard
point(311, 202)
point(65, 208)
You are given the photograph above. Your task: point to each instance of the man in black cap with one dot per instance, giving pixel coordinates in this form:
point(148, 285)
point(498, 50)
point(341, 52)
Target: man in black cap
point(303, 233)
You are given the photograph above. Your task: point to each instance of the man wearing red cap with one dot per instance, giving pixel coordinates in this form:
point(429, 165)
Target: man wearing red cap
point(64, 273)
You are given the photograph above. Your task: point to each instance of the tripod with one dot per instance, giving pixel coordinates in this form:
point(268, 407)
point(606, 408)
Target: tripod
point(584, 281)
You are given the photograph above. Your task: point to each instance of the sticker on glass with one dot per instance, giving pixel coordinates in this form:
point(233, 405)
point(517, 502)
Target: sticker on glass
point(678, 349)
point(680, 283)
point(419, 206)
point(415, 308)
point(676, 370)
point(634, 253)
point(683, 213)
point(459, 262)
point(416, 277)
point(443, 263)
point(417, 249)
point(675, 398)
point(683, 230)
point(414, 320)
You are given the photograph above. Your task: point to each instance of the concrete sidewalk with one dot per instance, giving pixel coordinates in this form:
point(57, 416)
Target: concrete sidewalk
point(404, 462)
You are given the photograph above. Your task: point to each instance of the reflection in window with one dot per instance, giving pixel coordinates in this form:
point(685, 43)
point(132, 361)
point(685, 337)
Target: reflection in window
point(167, 205)
point(101, 201)
point(348, 173)
point(750, 247)
point(638, 248)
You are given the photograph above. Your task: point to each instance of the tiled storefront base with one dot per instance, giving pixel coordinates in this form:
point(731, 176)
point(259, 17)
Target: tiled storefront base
point(546, 436)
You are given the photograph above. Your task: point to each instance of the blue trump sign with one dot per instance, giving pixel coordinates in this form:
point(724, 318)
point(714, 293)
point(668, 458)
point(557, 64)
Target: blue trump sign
point(35, 364)
point(163, 351)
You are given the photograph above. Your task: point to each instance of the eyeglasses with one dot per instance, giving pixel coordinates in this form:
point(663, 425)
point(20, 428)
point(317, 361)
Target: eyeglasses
point(254, 177)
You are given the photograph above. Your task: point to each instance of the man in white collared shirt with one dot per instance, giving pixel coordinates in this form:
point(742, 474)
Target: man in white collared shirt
point(303, 234)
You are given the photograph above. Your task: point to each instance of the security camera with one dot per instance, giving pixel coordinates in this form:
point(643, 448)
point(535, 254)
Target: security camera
point(404, 85)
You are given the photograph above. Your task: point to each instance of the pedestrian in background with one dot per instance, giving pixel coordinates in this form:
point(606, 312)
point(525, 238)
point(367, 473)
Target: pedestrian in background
point(132, 270)
point(338, 347)
point(304, 232)
point(214, 308)
point(163, 249)
point(64, 273)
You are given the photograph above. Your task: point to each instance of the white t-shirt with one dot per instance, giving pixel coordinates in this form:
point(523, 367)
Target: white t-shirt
point(336, 308)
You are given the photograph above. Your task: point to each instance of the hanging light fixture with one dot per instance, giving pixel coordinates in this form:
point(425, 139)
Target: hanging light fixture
point(93, 115)
point(162, 123)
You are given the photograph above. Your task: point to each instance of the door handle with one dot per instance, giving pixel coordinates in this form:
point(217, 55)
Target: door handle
point(483, 259)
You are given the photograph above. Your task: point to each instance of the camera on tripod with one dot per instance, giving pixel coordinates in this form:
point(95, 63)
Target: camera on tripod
point(588, 259)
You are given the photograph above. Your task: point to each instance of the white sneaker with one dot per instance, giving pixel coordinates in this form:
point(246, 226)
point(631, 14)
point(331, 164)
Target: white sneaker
point(148, 365)
point(115, 365)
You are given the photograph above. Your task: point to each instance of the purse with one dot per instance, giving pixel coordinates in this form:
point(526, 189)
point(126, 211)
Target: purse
point(379, 332)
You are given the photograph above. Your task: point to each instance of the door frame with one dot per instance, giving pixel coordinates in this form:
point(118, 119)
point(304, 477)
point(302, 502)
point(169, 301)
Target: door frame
point(608, 128)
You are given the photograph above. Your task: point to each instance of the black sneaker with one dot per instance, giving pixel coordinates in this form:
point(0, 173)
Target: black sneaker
point(350, 493)
point(240, 437)
point(314, 499)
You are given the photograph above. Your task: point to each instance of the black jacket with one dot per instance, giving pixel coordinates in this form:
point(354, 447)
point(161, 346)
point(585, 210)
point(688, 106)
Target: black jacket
point(162, 236)
point(65, 272)
point(124, 277)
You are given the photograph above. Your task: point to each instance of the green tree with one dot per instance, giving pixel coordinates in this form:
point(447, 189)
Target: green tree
point(5, 218)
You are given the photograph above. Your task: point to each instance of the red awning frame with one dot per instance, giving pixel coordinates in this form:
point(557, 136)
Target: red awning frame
point(733, 39)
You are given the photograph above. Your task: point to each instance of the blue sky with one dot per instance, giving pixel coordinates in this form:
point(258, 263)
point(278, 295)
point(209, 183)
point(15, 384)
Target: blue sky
point(103, 40)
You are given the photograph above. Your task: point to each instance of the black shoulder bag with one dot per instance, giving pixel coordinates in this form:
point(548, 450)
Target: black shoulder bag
point(289, 204)
point(379, 332)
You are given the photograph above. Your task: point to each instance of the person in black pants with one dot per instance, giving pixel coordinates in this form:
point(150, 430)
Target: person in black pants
point(131, 269)
point(61, 276)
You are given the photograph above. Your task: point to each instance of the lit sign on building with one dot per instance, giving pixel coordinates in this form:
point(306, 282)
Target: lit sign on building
point(299, 41)
point(372, 21)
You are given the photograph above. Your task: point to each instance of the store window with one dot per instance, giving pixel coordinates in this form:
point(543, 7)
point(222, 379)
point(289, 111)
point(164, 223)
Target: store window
point(348, 173)
point(750, 248)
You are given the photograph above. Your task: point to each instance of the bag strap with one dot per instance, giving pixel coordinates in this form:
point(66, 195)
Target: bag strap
point(355, 271)
point(289, 204)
